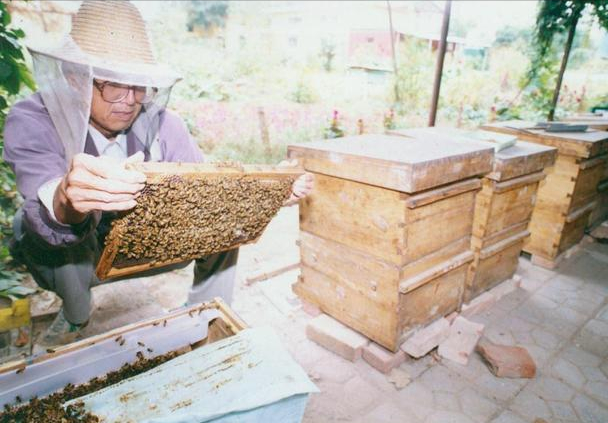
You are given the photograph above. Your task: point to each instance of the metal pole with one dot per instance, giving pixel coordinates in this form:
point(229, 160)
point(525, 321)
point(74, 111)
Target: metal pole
point(439, 67)
point(390, 23)
point(562, 69)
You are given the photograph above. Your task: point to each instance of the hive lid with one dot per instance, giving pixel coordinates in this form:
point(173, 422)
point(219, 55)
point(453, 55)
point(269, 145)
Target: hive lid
point(388, 162)
point(589, 143)
point(522, 158)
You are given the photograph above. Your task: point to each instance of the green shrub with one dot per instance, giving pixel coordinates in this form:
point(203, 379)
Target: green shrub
point(14, 75)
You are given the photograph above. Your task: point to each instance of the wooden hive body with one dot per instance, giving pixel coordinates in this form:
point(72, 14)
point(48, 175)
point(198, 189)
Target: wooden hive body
point(384, 249)
point(568, 194)
point(54, 378)
point(187, 211)
point(503, 206)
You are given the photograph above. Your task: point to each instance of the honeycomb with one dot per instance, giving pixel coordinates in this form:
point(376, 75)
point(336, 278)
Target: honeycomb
point(180, 218)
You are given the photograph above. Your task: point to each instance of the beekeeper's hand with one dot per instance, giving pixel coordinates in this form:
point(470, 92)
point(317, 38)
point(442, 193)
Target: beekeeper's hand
point(301, 187)
point(97, 183)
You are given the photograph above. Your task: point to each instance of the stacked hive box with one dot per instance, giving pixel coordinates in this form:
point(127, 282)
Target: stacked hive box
point(599, 122)
point(385, 235)
point(503, 206)
point(569, 193)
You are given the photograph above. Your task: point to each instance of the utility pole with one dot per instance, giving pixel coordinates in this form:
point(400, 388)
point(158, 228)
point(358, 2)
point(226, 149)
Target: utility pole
point(395, 69)
point(445, 26)
point(562, 69)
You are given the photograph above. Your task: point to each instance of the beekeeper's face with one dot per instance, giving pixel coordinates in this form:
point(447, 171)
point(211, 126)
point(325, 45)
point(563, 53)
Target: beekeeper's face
point(114, 107)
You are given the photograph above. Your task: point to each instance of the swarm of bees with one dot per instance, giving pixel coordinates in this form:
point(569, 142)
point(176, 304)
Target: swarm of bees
point(179, 219)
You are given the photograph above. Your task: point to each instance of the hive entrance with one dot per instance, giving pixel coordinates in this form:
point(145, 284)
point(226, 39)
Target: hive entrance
point(187, 211)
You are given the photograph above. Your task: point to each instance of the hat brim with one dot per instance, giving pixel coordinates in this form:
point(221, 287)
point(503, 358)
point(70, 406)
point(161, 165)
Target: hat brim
point(144, 74)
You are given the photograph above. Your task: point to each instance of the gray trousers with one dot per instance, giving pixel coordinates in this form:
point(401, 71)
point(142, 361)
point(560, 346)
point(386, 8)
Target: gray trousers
point(70, 272)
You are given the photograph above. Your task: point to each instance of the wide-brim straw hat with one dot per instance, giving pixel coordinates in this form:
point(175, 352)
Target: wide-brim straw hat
point(111, 37)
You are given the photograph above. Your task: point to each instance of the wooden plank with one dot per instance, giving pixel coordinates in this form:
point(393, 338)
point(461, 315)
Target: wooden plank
point(477, 244)
point(388, 162)
point(575, 215)
point(270, 270)
point(521, 159)
point(435, 258)
point(579, 144)
point(518, 182)
point(434, 272)
point(427, 197)
point(505, 243)
point(154, 170)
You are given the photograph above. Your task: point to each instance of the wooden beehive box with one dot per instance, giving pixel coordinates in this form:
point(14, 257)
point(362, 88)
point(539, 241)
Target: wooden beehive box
point(568, 195)
point(385, 234)
point(503, 206)
point(187, 211)
point(226, 324)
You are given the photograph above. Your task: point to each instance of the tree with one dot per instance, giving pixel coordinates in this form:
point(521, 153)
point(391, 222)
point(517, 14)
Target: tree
point(208, 15)
point(560, 17)
point(14, 75)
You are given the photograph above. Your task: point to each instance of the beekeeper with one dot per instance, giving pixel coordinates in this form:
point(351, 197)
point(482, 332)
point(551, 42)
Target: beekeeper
point(101, 103)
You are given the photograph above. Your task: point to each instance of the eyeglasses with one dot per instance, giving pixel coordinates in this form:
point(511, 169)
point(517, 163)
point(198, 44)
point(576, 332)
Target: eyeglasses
point(113, 92)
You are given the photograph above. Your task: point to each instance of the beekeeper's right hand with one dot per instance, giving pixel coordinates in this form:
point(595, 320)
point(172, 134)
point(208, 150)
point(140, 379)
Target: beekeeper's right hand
point(97, 183)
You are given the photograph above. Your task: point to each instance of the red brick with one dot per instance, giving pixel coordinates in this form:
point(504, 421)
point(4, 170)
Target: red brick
point(382, 359)
point(425, 339)
point(507, 361)
point(334, 336)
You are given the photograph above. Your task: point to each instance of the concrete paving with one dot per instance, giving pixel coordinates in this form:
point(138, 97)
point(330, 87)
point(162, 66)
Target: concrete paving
point(559, 316)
